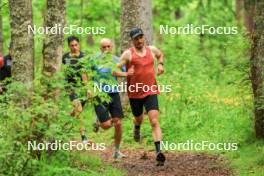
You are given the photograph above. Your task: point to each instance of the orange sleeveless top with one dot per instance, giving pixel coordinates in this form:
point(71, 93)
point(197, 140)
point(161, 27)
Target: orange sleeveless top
point(143, 82)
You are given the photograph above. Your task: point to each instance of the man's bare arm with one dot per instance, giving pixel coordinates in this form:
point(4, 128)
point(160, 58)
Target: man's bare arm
point(158, 54)
point(119, 74)
point(124, 59)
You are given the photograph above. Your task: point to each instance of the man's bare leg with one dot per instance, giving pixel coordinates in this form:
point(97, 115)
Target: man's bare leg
point(77, 109)
point(118, 131)
point(156, 130)
point(157, 135)
point(118, 134)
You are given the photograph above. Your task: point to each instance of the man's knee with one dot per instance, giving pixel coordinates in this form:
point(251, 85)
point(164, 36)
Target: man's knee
point(139, 119)
point(77, 105)
point(77, 108)
point(117, 122)
point(153, 118)
point(106, 125)
point(154, 122)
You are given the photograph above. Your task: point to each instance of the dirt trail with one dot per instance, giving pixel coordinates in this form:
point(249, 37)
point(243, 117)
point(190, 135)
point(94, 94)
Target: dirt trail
point(139, 163)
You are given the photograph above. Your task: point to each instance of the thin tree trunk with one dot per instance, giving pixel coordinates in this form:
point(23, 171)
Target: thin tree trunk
point(201, 9)
point(209, 5)
point(81, 16)
point(178, 13)
point(239, 7)
point(257, 69)
point(22, 45)
point(115, 36)
point(81, 12)
point(1, 30)
point(90, 40)
point(53, 43)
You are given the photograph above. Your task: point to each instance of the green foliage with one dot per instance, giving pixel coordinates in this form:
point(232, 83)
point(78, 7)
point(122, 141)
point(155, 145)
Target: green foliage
point(210, 100)
point(42, 120)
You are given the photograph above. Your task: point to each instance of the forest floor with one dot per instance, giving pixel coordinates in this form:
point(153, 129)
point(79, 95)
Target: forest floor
point(139, 162)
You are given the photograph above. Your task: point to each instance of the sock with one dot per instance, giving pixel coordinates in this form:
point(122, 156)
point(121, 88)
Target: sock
point(84, 137)
point(137, 127)
point(117, 146)
point(157, 145)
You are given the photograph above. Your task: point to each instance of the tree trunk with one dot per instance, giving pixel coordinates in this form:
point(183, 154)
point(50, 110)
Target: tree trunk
point(249, 6)
point(81, 12)
point(81, 16)
point(53, 43)
point(257, 69)
point(178, 13)
point(90, 40)
point(1, 30)
point(134, 13)
point(202, 12)
point(209, 5)
point(114, 35)
point(22, 45)
point(145, 12)
point(239, 7)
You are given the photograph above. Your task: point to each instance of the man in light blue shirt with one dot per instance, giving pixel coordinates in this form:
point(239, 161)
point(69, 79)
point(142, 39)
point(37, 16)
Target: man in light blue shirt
point(104, 64)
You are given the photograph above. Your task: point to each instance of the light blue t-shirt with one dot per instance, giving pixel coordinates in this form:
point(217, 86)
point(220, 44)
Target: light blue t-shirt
point(104, 78)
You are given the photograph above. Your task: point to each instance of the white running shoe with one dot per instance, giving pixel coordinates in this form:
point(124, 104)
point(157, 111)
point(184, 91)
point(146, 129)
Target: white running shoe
point(118, 154)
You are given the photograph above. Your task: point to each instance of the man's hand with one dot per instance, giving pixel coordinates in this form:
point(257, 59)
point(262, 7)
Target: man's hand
point(2, 62)
point(84, 78)
point(160, 69)
point(89, 94)
point(131, 71)
point(1, 89)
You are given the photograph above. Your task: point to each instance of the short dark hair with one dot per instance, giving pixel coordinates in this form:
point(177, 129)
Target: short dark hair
point(72, 38)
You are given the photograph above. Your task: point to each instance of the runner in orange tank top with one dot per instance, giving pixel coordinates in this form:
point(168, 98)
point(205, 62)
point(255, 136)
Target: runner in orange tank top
point(142, 86)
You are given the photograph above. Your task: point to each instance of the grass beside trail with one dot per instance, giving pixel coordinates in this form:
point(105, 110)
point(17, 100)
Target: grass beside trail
point(213, 116)
point(76, 163)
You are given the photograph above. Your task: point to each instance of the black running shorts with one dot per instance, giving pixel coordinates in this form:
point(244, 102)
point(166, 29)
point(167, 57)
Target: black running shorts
point(102, 109)
point(150, 102)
